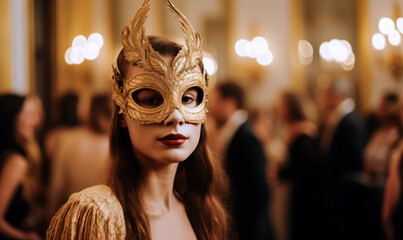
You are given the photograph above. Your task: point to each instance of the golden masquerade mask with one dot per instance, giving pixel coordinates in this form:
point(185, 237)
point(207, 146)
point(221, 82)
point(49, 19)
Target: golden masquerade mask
point(170, 83)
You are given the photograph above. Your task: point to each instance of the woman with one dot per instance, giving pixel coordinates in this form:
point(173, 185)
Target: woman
point(67, 119)
point(383, 140)
point(162, 184)
point(392, 212)
point(17, 126)
point(79, 149)
point(301, 141)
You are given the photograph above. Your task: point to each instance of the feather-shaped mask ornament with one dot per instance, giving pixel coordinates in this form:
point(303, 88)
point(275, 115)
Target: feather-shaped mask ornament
point(169, 83)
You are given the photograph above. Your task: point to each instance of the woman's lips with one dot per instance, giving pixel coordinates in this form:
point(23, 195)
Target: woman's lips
point(173, 140)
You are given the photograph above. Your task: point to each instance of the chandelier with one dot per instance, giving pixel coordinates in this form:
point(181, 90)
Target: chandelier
point(388, 40)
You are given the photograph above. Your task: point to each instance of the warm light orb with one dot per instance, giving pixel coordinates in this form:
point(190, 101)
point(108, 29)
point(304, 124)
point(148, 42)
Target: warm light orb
point(252, 53)
point(210, 65)
point(82, 49)
point(258, 48)
point(386, 25)
point(265, 58)
point(394, 38)
point(338, 51)
point(350, 60)
point(77, 54)
point(91, 51)
point(349, 64)
point(305, 48)
point(378, 41)
point(67, 57)
point(243, 47)
point(80, 40)
point(324, 52)
point(97, 39)
point(399, 24)
point(305, 60)
point(347, 67)
point(348, 46)
point(259, 45)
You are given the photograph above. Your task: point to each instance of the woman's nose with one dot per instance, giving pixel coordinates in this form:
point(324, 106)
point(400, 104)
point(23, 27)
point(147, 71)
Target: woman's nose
point(175, 118)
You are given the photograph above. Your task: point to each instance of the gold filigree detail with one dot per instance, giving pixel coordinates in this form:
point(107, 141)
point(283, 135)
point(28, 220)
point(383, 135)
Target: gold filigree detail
point(171, 82)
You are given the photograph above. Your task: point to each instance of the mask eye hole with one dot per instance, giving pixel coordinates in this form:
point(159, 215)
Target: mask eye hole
point(192, 97)
point(148, 98)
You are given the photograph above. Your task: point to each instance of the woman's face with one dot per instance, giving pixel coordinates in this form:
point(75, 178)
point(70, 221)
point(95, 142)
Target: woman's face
point(171, 141)
point(27, 121)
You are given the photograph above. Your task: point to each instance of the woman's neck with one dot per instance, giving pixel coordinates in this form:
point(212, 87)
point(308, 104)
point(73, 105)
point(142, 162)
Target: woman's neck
point(157, 188)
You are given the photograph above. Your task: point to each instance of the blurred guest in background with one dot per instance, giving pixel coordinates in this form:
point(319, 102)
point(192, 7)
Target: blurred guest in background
point(342, 144)
point(66, 118)
point(80, 157)
point(373, 120)
point(301, 167)
point(17, 127)
point(34, 183)
point(392, 214)
point(384, 139)
point(244, 159)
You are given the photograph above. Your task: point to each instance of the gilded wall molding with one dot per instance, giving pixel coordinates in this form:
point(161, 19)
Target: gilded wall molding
point(363, 56)
point(5, 46)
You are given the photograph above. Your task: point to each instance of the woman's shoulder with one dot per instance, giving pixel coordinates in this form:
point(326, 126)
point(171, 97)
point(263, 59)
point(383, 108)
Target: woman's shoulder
point(11, 149)
point(100, 196)
point(93, 213)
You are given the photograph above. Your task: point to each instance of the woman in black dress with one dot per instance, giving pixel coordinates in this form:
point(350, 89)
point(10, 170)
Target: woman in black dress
point(392, 213)
point(300, 169)
point(17, 125)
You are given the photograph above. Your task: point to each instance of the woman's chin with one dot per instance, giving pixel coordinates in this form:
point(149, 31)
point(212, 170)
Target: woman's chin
point(174, 156)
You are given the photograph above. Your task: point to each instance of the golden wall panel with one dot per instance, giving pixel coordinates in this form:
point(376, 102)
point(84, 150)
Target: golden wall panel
point(5, 62)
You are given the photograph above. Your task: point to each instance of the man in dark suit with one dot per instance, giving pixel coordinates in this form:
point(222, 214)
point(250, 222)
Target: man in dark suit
point(342, 145)
point(244, 160)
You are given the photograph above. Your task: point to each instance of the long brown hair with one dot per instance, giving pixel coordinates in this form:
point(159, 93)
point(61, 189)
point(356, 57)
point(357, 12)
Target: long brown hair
point(200, 183)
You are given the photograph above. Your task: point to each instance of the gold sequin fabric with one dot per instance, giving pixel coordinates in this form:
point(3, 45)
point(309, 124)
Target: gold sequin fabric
point(94, 213)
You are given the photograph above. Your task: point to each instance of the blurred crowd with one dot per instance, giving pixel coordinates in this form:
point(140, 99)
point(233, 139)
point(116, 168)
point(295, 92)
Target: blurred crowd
point(41, 166)
point(342, 169)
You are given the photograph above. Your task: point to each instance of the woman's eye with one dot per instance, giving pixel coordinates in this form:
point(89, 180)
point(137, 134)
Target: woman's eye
point(147, 98)
point(189, 99)
point(151, 101)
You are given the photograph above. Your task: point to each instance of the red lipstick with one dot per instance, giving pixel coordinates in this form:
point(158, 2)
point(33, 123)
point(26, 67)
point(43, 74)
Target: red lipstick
point(173, 140)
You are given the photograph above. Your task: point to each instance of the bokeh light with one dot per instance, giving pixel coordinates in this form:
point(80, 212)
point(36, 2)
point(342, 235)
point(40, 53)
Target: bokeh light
point(97, 39)
point(242, 47)
point(394, 37)
point(338, 51)
point(77, 54)
point(386, 25)
point(348, 46)
point(399, 24)
point(259, 45)
point(305, 48)
point(258, 49)
point(325, 52)
point(82, 49)
point(209, 63)
point(265, 58)
point(91, 51)
point(305, 52)
point(67, 56)
point(80, 40)
point(378, 41)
